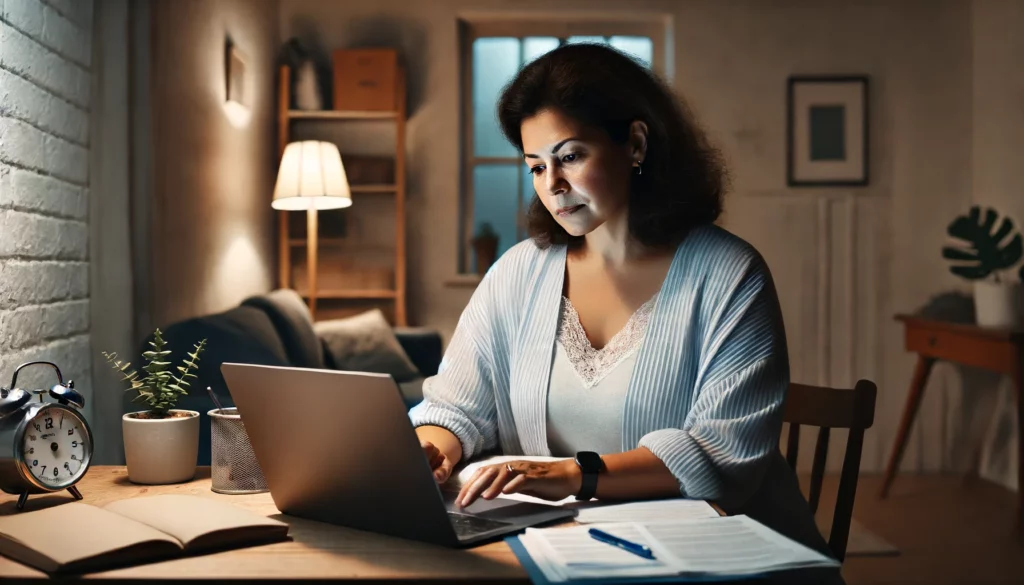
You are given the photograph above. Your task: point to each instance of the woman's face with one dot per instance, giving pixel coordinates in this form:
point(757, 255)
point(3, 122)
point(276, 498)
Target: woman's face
point(580, 175)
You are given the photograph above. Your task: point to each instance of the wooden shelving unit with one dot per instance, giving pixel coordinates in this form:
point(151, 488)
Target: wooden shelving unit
point(287, 243)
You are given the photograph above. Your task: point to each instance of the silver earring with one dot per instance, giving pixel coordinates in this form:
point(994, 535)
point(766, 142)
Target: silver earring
point(639, 169)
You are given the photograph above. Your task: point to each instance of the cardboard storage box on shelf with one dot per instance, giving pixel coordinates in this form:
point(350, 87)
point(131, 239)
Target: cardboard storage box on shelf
point(365, 79)
point(369, 170)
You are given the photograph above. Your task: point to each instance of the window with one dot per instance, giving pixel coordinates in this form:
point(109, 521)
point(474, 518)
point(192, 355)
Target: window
point(496, 189)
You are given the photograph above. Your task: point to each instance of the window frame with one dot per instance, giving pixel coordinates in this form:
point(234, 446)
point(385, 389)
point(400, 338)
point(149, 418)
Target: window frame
point(561, 27)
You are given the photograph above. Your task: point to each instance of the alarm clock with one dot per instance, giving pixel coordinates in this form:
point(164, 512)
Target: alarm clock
point(45, 447)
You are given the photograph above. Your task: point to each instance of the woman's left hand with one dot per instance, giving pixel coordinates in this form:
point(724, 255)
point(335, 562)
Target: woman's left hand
point(553, 480)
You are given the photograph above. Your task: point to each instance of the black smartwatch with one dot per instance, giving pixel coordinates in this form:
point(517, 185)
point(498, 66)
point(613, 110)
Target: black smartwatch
point(590, 465)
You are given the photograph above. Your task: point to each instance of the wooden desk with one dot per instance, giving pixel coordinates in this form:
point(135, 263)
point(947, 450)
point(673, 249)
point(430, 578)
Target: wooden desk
point(998, 350)
point(316, 552)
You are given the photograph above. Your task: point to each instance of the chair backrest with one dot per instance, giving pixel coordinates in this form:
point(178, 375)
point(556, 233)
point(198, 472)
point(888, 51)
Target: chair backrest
point(831, 408)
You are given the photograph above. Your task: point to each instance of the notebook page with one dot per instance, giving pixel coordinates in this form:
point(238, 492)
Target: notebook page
point(570, 553)
point(671, 510)
point(732, 545)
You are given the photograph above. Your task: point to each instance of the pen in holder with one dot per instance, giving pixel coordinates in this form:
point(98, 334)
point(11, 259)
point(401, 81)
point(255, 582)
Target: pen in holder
point(233, 466)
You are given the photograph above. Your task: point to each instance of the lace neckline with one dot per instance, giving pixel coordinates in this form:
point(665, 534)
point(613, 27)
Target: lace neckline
point(590, 364)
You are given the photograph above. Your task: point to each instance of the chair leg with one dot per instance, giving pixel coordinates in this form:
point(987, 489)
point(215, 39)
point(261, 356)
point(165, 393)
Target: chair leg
point(1018, 381)
point(924, 367)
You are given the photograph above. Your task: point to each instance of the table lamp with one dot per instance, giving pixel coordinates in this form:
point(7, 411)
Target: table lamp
point(311, 178)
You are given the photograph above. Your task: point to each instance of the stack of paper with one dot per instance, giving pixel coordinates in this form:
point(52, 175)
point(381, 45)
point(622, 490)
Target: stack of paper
point(647, 511)
point(721, 546)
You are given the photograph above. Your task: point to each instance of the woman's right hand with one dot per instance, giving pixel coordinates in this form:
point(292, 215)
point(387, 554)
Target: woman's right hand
point(439, 462)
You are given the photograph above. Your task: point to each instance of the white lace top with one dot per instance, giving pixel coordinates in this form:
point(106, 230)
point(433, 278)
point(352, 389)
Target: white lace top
point(588, 386)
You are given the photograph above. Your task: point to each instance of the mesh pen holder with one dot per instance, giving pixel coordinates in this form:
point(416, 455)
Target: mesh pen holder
point(233, 465)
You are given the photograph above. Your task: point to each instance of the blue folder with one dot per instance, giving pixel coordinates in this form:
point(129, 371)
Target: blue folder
point(537, 576)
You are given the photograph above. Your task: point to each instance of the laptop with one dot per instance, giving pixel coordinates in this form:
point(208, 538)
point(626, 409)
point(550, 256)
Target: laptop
point(338, 447)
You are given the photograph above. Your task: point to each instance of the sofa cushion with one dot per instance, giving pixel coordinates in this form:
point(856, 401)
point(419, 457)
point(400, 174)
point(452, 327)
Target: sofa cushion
point(294, 326)
point(366, 343)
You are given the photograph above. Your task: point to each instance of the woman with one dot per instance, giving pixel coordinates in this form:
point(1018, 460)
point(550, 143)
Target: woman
point(629, 326)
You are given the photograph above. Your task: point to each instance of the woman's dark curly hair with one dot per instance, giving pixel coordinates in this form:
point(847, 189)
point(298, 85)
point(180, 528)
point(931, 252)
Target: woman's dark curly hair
point(683, 177)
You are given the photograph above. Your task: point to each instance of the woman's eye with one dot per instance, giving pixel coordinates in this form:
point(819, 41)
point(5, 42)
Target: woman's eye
point(569, 158)
point(536, 169)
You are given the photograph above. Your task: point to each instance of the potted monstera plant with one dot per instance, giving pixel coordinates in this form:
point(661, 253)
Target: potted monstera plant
point(161, 443)
point(990, 250)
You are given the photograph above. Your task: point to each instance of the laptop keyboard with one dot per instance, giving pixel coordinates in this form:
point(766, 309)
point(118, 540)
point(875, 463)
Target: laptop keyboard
point(466, 525)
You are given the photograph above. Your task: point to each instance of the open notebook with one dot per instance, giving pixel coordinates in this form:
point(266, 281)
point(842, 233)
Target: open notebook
point(723, 546)
point(79, 538)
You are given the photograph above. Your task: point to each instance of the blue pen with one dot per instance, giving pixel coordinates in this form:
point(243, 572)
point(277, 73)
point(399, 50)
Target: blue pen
point(637, 549)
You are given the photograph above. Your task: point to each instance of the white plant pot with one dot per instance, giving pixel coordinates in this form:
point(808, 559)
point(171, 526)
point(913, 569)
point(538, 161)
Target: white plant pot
point(162, 450)
point(998, 304)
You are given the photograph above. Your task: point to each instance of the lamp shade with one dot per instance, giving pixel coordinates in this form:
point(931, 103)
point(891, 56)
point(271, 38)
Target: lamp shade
point(311, 177)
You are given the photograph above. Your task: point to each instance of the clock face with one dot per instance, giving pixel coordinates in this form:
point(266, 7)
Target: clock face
point(56, 447)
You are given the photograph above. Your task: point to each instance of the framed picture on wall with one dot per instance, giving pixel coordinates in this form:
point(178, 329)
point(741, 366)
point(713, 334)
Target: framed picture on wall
point(827, 136)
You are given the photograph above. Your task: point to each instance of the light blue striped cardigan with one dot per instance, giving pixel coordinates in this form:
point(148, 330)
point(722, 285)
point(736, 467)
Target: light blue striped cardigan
point(706, 392)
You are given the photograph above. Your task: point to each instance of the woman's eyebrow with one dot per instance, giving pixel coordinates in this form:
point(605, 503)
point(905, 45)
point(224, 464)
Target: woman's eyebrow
point(553, 150)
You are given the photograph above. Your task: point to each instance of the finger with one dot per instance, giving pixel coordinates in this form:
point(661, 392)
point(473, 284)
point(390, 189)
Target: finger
point(429, 449)
point(436, 459)
point(486, 476)
point(446, 469)
point(466, 484)
point(499, 482)
point(517, 483)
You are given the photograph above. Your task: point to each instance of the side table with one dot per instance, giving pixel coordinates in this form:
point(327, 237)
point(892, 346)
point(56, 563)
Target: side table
point(998, 350)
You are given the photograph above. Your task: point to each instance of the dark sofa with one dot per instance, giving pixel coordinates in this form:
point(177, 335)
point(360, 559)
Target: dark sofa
point(274, 329)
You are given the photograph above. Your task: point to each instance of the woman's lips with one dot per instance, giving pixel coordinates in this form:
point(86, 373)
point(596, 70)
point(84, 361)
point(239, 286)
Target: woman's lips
point(567, 211)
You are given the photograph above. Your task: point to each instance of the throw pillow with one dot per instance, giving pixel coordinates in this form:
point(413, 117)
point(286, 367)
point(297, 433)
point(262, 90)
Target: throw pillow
point(366, 343)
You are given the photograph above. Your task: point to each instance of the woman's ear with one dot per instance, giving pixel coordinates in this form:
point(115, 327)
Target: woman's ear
point(638, 141)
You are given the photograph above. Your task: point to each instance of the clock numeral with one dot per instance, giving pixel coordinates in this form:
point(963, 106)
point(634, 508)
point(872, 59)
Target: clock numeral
point(36, 425)
point(31, 437)
point(71, 431)
point(31, 450)
point(49, 422)
point(66, 466)
point(55, 471)
point(44, 469)
point(73, 457)
point(74, 443)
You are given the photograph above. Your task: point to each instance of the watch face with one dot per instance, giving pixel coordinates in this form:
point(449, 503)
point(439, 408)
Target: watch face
point(56, 447)
point(589, 461)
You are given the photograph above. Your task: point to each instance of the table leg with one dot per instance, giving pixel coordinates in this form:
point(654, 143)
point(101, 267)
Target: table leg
point(1018, 382)
point(924, 367)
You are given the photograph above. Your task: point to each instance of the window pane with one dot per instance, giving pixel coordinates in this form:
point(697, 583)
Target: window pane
point(534, 47)
point(496, 201)
point(495, 61)
point(587, 39)
point(640, 47)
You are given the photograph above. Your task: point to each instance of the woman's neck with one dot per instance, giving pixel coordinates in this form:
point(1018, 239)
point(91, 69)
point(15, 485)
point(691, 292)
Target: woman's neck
point(612, 244)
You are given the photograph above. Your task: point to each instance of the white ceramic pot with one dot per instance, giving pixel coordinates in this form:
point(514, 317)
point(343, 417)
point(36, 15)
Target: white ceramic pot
point(998, 304)
point(161, 450)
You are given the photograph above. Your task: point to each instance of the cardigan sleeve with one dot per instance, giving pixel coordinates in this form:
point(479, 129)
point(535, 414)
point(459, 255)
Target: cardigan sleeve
point(460, 397)
point(721, 450)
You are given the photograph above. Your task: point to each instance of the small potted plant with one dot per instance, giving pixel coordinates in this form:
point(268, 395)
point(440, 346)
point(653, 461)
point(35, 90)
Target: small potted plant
point(161, 444)
point(485, 245)
point(990, 251)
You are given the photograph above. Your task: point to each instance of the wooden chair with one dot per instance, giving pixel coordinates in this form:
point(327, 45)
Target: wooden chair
point(831, 408)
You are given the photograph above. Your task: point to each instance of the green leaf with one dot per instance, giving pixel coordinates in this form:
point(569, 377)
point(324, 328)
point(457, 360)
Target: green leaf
point(984, 248)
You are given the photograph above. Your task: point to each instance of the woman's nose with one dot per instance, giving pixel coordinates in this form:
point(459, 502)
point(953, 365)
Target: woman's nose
point(557, 184)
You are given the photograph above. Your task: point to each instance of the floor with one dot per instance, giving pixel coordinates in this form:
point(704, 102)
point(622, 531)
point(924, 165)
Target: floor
point(947, 530)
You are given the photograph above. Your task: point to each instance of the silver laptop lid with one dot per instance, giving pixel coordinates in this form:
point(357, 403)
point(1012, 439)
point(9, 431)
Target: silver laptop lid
point(339, 447)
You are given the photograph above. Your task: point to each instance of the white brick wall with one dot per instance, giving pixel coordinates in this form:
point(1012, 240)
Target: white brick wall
point(45, 60)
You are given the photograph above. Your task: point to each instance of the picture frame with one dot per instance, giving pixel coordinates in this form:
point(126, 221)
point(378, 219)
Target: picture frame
point(827, 130)
point(234, 74)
